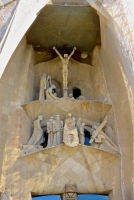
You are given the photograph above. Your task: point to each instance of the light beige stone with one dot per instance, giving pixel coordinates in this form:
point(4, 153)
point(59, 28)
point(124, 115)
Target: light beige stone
point(50, 94)
point(45, 83)
point(70, 135)
point(106, 83)
point(58, 131)
point(37, 136)
point(65, 62)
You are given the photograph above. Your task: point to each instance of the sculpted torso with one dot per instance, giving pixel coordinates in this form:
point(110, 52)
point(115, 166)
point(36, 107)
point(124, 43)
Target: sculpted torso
point(65, 61)
point(49, 126)
point(58, 125)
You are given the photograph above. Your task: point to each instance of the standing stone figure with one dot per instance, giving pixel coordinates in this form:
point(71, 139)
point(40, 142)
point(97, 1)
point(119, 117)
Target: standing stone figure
point(80, 127)
point(37, 136)
point(58, 131)
point(70, 135)
point(50, 132)
point(82, 134)
point(50, 93)
point(45, 83)
point(65, 62)
point(96, 141)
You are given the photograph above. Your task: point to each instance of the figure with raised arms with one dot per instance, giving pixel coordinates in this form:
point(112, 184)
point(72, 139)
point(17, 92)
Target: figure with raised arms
point(65, 62)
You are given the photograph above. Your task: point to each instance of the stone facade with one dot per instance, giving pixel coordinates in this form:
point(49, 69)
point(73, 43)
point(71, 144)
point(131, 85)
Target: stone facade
point(42, 140)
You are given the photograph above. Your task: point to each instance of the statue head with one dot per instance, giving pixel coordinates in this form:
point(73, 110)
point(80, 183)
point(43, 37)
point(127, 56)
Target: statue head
point(40, 117)
point(65, 55)
point(49, 77)
point(51, 118)
point(69, 115)
point(53, 86)
point(44, 75)
point(70, 95)
point(57, 116)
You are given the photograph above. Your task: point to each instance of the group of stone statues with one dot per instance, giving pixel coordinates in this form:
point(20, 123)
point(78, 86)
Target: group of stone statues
point(72, 133)
point(55, 131)
point(46, 86)
point(48, 90)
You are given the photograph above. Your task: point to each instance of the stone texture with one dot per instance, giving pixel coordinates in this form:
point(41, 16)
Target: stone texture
point(39, 176)
point(6, 13)
point(15, 91)
point(47, 171)
point(82, 20)
point(92, 110)
point(82, 76)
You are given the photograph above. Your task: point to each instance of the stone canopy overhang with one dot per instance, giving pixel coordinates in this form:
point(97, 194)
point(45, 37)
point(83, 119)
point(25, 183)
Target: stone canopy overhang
point(24, 15)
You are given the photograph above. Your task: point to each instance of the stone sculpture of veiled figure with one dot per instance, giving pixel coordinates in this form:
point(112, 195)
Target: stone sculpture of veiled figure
point(65, 62)
point(70, 135)
point(45, 83)
point(37, 136)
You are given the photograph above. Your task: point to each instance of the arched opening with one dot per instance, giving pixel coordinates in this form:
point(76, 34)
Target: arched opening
point(76, 93)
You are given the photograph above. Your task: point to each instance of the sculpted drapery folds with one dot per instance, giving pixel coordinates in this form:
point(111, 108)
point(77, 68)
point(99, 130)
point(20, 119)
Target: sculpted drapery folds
point(58, 131)
point(45, 83)
point(50, 93)
point(37, 136)
point(70, 135)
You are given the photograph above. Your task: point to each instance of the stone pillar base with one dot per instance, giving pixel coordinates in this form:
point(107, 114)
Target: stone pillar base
point(65, 92)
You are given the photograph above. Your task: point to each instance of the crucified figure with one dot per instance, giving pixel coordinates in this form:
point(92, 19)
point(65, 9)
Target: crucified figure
point(65, 61)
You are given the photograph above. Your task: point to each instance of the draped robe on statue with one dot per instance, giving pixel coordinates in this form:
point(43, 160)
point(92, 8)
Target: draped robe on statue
point(70, 136)
point(37, 136)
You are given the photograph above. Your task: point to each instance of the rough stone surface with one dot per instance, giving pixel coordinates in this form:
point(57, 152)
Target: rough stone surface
point(106, 94)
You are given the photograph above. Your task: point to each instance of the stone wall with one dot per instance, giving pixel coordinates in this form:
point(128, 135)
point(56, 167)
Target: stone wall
point(116, 73)
point(16, 87)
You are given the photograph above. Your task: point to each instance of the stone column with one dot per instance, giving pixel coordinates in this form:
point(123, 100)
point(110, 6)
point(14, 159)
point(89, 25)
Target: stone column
point(65, 92)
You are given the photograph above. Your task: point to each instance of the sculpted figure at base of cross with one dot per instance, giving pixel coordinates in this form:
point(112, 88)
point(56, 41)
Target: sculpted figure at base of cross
point(50, 93)
point(47, 88)
point(45, 83)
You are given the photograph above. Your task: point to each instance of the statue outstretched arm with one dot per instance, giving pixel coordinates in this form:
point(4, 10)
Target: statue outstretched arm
point(54, 48)
point(72, 53)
